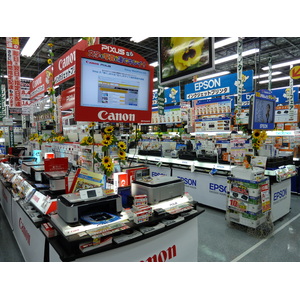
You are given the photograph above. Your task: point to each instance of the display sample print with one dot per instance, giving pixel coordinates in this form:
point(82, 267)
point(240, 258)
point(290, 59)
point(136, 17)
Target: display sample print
point(181, 57)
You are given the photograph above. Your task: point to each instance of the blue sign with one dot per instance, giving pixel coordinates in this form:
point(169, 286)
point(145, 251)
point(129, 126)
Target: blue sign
point(218, 86)
point(172, 95)
point(280, 94)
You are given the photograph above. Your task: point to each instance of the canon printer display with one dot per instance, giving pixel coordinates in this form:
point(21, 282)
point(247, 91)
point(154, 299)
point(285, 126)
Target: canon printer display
point(158, 188)
point(71, 207)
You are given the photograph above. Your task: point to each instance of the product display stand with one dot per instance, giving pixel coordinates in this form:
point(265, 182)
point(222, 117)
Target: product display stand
point(249, 204)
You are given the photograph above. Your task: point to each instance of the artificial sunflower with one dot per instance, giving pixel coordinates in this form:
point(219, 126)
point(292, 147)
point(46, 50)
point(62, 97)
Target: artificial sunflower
point(106, 160)
point(109, 129)
point(256, 133)
point(49, 61)
point(92, 124)
point(122, 145)
point(108, 138)
point(121, 154)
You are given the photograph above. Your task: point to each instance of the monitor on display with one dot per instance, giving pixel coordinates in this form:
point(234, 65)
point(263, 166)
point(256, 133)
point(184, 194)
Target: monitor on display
point(109, 85)
point(262, 113)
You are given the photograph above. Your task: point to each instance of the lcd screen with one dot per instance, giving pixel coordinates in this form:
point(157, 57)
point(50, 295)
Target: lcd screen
point(109, 85)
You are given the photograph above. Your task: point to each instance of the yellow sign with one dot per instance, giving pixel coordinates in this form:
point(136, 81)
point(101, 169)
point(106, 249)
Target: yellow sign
point(295, 72)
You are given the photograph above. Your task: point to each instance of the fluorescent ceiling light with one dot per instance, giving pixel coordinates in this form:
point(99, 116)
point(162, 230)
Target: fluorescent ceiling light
point(154, 64)
point(31, 46)
point(286, 87)
point(25, 78)
point(276, 79)
point(226, 42)
point(235, 56)
point(213, 75)
point(266, 75)
point(288, 63)
point(137, 39)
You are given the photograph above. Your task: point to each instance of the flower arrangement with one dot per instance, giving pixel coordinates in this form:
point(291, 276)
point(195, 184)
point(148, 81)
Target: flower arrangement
point(54, 137)
point(109, 141)
point(258, 137)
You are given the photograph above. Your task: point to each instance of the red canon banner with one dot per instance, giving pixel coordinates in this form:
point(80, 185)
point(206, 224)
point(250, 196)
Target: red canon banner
point(113, 84)
point(13, 71)
point(68, 98)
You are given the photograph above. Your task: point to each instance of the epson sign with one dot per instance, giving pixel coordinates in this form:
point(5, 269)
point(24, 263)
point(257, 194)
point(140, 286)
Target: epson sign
point(213, 187)
point(188, 181)
point(280, 194)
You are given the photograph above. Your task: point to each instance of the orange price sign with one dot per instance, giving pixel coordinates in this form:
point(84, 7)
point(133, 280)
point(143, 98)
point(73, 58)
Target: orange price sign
point(295, 72)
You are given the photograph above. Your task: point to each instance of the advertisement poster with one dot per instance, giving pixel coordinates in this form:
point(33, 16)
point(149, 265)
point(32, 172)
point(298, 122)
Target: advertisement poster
point(13, 71)
point(180, 57)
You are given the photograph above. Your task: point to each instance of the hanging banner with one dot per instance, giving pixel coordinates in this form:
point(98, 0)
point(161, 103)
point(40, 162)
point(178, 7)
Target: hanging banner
point(40, 84)
point(68, 98)
point(2, 102)
point(65, 66)
point(291, 101)
point(240, 83)
point(13, 71)
point(218, 86)
point(172, 96)
point(161, 100)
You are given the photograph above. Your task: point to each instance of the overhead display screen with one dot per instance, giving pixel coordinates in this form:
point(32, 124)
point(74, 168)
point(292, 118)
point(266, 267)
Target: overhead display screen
point(110, 85)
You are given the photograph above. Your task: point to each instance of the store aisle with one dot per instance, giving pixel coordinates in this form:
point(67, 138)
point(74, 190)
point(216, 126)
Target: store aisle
point(220, 242)
point(9, 250)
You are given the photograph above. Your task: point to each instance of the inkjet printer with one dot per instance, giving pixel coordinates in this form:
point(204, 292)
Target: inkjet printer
point(71, 207)
point(158, 188)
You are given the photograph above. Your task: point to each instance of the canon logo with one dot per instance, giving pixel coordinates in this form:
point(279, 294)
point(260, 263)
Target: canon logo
point(36, 82)
point(70, 59)
point(24, 231)
point(112, 49)
point(122, 117)
point(163, 255)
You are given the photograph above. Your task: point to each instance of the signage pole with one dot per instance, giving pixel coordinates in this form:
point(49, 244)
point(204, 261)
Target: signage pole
point(239, 78)
point(270, 74)
point(291, 99)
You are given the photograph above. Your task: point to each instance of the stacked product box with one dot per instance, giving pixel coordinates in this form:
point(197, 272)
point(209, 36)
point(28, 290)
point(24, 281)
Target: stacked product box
point(140, 208)
point(248, 201)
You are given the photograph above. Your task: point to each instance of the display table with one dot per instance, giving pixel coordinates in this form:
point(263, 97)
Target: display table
point(171, 236)
point(175, 244)
point(210, 188)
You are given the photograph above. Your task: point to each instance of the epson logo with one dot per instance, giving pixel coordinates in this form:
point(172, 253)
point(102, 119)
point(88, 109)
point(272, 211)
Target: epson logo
point(157, 174)
point(217, 187)
point(188, 181)
point(207, 84)
point(112, 49)
point(280, 194)
point(122, 117)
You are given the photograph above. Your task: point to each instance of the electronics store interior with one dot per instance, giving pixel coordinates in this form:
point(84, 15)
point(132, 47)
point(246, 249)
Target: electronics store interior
point(164, 149)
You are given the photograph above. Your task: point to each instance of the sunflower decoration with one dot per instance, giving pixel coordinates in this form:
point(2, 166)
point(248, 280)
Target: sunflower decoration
point(258, 137)
point(1, 133)
point(110, 142)
point(89, 139)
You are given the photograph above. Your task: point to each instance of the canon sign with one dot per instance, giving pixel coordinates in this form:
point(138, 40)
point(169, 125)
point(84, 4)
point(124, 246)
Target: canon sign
point(163, 255)
point(111, 116)
point(66, 61)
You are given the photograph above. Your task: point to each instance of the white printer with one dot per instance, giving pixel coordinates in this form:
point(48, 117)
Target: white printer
point(158, 188)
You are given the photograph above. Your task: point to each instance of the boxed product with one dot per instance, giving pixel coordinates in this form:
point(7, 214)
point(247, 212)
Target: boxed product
point(48, 230)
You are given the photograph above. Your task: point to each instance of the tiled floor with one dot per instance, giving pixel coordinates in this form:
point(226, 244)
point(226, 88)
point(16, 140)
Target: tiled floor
point(218, 240)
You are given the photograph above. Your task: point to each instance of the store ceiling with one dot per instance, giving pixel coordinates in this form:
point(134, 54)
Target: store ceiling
point(279, 49)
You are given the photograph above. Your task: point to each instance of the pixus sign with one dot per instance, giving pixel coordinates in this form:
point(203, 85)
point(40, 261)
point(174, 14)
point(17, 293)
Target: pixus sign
point(113, 84)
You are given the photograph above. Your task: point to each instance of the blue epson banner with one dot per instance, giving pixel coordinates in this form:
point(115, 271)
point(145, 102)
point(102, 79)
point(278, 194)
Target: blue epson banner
point(218, 86)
